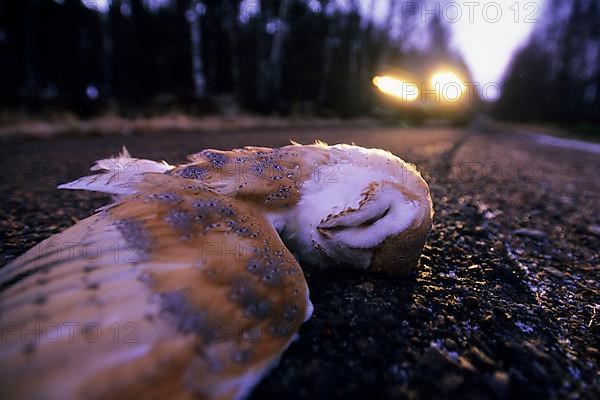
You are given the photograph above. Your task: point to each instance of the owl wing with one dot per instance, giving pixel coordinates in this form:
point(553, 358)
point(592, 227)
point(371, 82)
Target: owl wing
point(271, 178)
point(175, 291)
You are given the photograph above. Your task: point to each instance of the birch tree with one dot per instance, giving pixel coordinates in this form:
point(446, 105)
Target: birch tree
point(277, 47)
point(193, 16)
point(231, 27)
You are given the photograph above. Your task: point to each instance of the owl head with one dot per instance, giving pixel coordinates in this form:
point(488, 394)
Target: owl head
point(362, 208)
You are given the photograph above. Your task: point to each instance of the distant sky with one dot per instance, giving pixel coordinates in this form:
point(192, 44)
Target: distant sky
point(485, 32)
point(488, 47)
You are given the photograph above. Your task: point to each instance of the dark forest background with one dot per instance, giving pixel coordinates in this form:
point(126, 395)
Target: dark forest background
point(280, 56)
point(556, 76)
point(285, 56)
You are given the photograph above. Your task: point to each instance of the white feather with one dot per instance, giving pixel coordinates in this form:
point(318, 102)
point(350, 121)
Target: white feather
point(117, 175)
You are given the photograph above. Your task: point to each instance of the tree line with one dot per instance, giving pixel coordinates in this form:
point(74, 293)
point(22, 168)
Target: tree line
point(556, 75)
point(285, 56)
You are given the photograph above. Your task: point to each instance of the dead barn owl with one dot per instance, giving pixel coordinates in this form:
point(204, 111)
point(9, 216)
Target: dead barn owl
point(187, 285)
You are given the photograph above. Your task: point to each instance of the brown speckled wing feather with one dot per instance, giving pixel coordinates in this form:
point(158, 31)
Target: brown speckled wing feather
point(176, 291)
point(267, 177)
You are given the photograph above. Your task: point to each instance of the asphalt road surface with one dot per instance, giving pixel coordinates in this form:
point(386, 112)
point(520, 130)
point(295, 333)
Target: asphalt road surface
point(505, 304)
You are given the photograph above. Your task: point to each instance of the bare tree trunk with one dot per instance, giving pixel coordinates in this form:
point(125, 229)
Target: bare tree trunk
point(387, 29)
point(362, 51)
point(31, 78)
point(193, 16)
point(277, 48)
point(327, 63)
point(107, 50)
point(357, 60)
point(263, 67)
point(263, 75)
point(596, 82)
point(568, 55)
point(231, 28)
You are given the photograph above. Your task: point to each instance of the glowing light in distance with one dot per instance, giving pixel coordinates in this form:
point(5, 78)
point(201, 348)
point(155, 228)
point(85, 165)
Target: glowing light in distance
point(406, 91)
point(448, 85)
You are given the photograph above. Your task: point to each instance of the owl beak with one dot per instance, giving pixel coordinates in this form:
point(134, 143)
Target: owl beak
point(399, 255)
point(361, 218)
